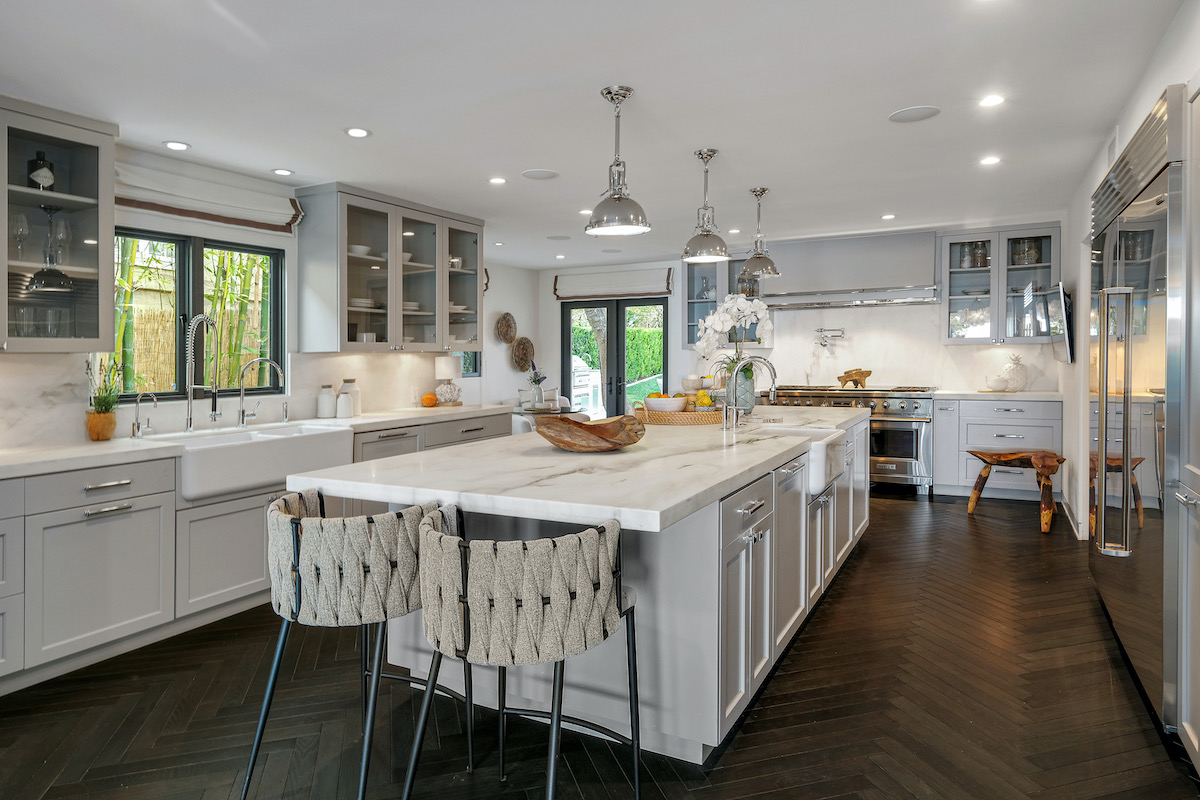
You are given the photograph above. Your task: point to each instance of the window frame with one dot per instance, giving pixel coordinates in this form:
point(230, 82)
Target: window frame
point(189, 301)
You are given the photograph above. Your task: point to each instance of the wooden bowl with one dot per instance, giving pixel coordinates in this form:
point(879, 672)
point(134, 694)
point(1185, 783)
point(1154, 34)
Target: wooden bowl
point(590, 437)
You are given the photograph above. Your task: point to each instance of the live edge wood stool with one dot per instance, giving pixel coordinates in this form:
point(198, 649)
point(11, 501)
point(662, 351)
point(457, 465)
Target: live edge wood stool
point(1113, 464)
point(1045, 462)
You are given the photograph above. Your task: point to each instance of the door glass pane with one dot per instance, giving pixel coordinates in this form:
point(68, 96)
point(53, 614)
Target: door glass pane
point(366, 275)
point(237, 292)
point(643, 350)
point(969, 292)
point(1027, 280)
point(418, 241)
point(463, 279)
point(1098, 283)
point(145, 299)
point(589, 361)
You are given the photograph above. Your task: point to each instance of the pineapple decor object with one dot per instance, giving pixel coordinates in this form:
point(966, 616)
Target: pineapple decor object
point(1015, 373)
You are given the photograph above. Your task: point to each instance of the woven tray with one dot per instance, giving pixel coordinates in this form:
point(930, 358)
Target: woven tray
point(675, 417)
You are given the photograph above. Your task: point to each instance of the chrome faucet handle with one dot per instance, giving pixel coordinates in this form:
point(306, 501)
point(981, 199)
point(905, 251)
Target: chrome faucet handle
point(285, 413)
point(138, 427)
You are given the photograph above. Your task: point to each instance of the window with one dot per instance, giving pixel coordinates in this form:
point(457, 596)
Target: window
point(162, 281)
point(470, 364)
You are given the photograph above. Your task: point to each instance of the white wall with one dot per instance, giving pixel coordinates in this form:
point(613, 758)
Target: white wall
point(1176, 60)
point(513, 290)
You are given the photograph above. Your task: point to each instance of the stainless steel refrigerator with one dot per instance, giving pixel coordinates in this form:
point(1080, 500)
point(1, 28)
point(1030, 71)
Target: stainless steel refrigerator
point(1138, 263)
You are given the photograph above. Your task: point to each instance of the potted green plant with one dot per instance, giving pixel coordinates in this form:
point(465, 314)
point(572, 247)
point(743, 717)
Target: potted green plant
point(104, 382)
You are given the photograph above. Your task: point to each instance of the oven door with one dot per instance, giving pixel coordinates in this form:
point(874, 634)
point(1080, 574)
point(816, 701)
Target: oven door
point(901, 451)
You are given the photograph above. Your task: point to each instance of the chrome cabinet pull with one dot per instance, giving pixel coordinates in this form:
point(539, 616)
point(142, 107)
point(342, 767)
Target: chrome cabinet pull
point(1008, 471)
point(107, 510)
point(1010, 410)
point(1008, 435)
point(110, 484)
point(788, 470)
point(396, 435)
point(751, 507)
point(748, 538)
point(945, 408)
point(1187, 500)
point(470, 430)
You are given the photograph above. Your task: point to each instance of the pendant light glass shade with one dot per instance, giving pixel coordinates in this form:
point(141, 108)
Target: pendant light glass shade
point(706, 245)
point(49, 279)
point(617, 214)
point(759, 264)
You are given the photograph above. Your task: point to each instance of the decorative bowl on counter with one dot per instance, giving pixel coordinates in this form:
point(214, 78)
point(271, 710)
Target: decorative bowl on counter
point(590, 437)
point(665, 403)
point(997, 384)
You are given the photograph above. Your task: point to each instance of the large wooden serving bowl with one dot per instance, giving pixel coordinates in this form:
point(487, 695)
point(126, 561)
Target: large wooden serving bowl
point(590, 437)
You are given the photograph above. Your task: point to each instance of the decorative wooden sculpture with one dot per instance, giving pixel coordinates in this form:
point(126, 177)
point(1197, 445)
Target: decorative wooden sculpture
point(590, 437)
point(857, 376)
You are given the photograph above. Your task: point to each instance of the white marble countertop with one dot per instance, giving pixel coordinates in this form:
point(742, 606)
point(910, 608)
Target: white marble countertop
point(968, 394)
point(26, 461)
point(672, 472)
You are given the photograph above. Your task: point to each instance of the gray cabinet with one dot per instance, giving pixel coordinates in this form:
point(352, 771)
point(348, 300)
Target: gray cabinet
point(860, 441)
point(820, 541)
point(12, 576)
point(77, 318)
point(945, 442)
point(379, 274)
point(996, 284)
point(789, 598)
point(382, 444)
point(997, 424)
point(852, 503)
point(221, 553)
point(442, 434)
point(706, 285)
point(12, 633)
point(96, 573)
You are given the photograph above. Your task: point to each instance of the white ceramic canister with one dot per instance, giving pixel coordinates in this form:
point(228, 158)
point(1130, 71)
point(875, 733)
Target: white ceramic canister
point(345, 406)
point(351, 388)
point(326, 402)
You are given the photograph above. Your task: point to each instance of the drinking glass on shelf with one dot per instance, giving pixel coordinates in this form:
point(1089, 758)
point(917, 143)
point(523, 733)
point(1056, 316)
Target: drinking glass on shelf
point(60, 230)
point(19, 226)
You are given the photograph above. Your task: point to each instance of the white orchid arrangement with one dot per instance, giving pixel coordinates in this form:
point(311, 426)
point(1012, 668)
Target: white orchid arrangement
point(735, 311)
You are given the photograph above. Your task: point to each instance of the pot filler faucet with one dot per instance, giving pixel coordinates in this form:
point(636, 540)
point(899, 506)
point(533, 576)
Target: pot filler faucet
point(242, 415)
point(737, 371)
point(189, 376)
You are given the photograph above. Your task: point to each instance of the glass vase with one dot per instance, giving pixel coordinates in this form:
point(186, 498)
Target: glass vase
point(537, 397)
point(745, 392)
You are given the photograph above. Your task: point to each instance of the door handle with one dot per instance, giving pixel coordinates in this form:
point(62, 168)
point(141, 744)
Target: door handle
point(107, 510)
point(1187, 499)
point(470, 430)
point(751, 507)
point(1008, 435)
point(1010, 410)
point(396, 435)
point(1008, 471)
point(108, 485)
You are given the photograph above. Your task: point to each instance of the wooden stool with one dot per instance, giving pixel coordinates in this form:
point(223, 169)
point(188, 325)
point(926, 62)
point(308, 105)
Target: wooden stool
point(1046, 463)
point(1113, 464)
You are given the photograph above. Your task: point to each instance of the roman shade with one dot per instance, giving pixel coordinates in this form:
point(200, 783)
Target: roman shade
point(177, 195)
point(606, 285)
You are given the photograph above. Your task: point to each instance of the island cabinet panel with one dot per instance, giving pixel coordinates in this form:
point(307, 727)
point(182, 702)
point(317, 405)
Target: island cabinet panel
point(12, 556)
point(945, 442)
point(12, 634)
point(789, 603)
point(221, 553)
point(735, 631)
point(860, 439)
point(820, 537)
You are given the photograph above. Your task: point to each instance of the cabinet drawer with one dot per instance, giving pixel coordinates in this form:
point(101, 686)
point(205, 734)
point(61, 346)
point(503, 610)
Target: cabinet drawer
point(100, 485)
point(464, 430)
point(221, 553)
point(390, 442)
point(1116, 439)
point(1003, 409)
point(1001, 477)
point(1011, 436)
point(12, 634)
point(12, 497)
point(12, 556)
point(746, 507)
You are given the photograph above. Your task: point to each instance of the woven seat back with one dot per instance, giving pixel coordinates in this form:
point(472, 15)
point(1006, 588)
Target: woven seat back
point(530, 602)
point(350, 570)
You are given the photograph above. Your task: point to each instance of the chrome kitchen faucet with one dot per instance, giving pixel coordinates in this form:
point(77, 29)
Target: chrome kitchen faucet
point(190, 377)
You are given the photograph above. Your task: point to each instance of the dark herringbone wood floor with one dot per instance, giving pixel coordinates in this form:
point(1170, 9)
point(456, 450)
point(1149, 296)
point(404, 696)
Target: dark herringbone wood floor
point(952, 658)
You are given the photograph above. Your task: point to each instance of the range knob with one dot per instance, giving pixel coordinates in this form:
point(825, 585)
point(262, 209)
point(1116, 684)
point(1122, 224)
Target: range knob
point(903, 405)
point(808, 402)
point(916, 404)
point(885, 404)
point(871, 404)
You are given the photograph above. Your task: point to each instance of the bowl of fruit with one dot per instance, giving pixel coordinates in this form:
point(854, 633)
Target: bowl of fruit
point(657, 401)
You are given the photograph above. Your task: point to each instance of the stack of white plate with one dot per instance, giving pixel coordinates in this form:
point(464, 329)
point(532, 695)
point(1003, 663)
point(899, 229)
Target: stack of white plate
point(412, 305)
point(362, 302)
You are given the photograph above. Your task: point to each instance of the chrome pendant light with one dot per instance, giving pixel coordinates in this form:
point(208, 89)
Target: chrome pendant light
point(706, 246)
point(617, 214)
point(758, 265)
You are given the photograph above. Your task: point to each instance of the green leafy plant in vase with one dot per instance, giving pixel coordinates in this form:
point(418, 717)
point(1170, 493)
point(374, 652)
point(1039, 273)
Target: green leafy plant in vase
point(104, 381)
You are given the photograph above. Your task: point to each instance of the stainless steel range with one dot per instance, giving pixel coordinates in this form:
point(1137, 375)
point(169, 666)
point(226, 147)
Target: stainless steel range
point(901, 433)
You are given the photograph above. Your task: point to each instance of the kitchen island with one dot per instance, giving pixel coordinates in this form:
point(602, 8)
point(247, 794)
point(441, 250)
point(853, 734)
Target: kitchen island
point(715, 587)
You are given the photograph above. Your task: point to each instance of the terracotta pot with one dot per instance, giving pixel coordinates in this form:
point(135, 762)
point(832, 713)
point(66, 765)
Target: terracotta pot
point(100, 427)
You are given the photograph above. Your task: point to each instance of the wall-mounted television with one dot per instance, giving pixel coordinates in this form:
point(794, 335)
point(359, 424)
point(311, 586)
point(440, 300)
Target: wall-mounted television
point(1061, 317)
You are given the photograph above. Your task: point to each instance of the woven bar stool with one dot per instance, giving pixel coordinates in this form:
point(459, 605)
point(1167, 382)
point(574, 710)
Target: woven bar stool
point(346, 572)
point(524, 602)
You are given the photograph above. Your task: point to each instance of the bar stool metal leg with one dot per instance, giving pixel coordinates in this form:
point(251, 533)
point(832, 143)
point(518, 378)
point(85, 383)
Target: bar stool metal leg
point(422, 719)
point(266, 707)
point(372, 702)
point(555, 729)
point(469, 702)
point(364, 656)
point(502, 693)
point(634, 721)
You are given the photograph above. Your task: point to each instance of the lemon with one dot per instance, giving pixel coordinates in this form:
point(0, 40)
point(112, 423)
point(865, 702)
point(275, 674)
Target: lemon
point(678, 394)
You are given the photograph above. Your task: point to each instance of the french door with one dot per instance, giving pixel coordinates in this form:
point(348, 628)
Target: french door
point(614, 353)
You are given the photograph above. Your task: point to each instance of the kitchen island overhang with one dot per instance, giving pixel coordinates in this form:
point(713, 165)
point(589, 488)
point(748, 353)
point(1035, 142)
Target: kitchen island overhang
point(666, 491)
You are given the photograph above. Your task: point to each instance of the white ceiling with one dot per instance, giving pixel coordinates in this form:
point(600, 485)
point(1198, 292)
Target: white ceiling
point(794, 93)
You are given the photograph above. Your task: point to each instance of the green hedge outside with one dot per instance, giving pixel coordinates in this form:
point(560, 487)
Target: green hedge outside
point(643, 356)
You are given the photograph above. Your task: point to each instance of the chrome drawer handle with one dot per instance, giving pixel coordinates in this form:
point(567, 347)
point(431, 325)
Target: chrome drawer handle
point(91, 486)
point(788, 471)
point(107, 510)
point(945, 408)
point(751, 507)
point(398, 435)
point(1187, 500)
point(470, 430)
point(1009, 471)
point(1010, 410)
point(1008, 435)
point(1097, 438)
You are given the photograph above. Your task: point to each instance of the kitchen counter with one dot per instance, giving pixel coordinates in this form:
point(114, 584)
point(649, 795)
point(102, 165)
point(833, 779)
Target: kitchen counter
point(967, 394)
point(381, 420)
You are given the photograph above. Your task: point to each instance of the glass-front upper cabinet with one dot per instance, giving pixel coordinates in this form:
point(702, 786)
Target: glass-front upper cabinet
point(421, 287)
point(464, 289)
point(58, 227)
point(366, 250)
point(997, 284)
point(702, 292)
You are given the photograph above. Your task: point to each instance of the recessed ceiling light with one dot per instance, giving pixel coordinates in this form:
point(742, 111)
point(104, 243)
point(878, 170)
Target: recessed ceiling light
point(560, 256)
point(498, 244)
point(90, 241)
point(991, 100)
point(987, 161)
point(539, 174)
point(610, 251)
point(735, 230)
point(914, 113)
point(585, 211)
point(282, 172)
point(888, 216)
point(497, 181)
point(410, 233)
point(357, 133)
point(558, 237)
point(177, 145)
